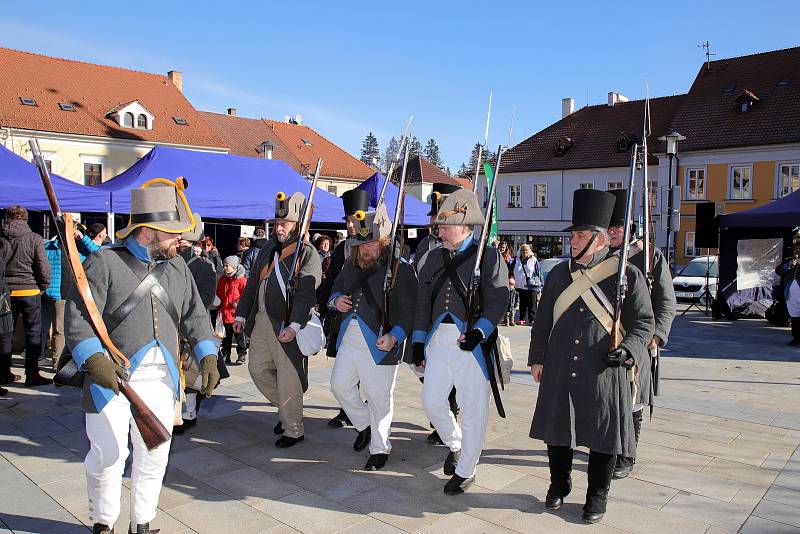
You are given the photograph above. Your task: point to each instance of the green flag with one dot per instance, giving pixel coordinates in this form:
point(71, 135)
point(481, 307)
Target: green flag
point(487, 169)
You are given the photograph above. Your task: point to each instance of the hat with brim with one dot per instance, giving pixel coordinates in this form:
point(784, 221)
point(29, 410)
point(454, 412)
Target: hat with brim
point(591, 210)
point(196, 233)
point(460, 208)
point(161, 205)
point(288, 208)
point(370, 226)
point(353, 201)
point(440, 191)
point(620, 205)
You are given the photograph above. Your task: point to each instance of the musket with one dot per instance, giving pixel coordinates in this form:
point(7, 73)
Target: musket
point(153, 431)
point(396, 246)
point(489, 348)
point(480, 148)
point(622, 278)
point(302, 231)
point(405, 139)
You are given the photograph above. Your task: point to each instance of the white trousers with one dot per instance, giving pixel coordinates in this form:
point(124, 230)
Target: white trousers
point(354, 363)
point(446, 365)
point(108, 433)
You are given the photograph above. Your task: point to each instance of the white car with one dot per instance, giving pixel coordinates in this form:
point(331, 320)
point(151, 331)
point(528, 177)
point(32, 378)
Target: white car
point(690, 282)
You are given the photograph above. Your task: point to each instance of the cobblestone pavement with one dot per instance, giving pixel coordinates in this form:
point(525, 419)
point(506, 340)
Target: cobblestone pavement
point(719, 455)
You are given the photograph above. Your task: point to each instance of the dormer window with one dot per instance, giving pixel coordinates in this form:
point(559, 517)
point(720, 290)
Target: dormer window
point(745, 101)
point(625, 142)
point(131, 115)
point(563, 144)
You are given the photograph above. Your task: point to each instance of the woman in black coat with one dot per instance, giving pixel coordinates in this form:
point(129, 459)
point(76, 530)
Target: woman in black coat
point(6, 322)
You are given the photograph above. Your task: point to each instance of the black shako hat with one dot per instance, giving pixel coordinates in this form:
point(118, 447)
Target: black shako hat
point(591, 210)
point(438, 194)
point(618, 217)
point(353, 201)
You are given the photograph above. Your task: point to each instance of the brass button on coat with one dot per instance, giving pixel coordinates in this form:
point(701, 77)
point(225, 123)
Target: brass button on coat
point(573, 375)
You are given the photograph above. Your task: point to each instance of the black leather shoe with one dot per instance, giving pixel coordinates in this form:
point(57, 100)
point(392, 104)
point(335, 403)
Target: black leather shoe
point(36, 380)
point(592, 517)
point(284, 442)
point(457, 485)
point(188, 424)
point(100, 528)
point(376, 462)
point(362, 439)
point(621, 471)
point(434, 439)
point(278, 429)
point(144, 528)
point(340, 420)
point(8, 378)
point(450, 462)
point(553, 502)
point(3, 392)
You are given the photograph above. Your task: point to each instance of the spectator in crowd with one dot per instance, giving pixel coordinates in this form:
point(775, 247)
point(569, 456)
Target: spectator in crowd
point(507, 254)
point(323, 245)
point(53, 298)
point(6, 319)
point(242, 246)
point(213, 255)
point(98, 233)
point(27, 275)
point(513, 301)
point(229, 290)
point(528, 279)
point(249, 257)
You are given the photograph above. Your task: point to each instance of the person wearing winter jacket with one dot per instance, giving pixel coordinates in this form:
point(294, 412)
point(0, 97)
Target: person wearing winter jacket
point(27, 276)
point(229, 289)
point(529, 283)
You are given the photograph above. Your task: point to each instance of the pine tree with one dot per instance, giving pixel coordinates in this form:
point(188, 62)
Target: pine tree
point(463, 170)
point(370, 152)
point(473, 157)
point(415, 149)
point(391, 153)
point(432, 154)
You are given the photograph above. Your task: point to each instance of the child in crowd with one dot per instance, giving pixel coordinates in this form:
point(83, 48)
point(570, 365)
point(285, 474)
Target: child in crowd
point(229, 288)
point(513, 301)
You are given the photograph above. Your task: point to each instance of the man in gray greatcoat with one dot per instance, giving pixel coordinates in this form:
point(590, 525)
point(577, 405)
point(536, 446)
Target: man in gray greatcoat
point(585, 397)
point(278, 368)
point(662, 298)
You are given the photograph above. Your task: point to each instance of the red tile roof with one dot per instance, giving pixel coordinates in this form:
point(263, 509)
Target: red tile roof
point(94, 90)
point(421, 170)
point(594, 132)
point(710, 119)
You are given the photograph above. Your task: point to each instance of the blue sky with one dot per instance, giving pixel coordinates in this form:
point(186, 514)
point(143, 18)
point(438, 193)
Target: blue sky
point(354, 67)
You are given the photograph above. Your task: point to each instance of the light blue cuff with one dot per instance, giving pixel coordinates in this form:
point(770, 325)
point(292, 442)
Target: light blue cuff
point(205, 348)
point(399, 333)
point(333, 298)
point(85, 349)
point(484, 326)
point(418, 336)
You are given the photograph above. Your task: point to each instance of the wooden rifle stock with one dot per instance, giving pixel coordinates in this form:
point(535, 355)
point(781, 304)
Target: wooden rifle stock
point(153, 431)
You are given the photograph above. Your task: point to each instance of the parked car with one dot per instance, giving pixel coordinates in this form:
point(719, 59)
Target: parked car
point(690, 281)
point(546, 265)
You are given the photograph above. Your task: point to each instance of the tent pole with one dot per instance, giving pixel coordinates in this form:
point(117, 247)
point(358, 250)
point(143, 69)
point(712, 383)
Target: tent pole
point(110, 225)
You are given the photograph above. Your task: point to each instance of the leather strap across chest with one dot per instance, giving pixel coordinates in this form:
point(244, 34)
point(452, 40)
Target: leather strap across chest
point(584, 282)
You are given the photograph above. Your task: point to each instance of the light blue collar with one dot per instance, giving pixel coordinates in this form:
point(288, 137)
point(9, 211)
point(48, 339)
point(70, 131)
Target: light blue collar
point(467, 242)
point(137, 249)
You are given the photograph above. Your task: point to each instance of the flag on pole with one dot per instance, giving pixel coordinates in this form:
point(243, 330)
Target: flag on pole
point(487, 169)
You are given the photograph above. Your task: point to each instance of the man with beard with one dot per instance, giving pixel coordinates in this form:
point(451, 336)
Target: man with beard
point(365, 353)
point(585, 397)
point(353, 201)
point(451, 354)
point(278, 368)
point(662, 300)
point(142, 323)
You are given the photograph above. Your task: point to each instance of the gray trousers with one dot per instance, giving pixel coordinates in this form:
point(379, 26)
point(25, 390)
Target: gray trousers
point(275, 376)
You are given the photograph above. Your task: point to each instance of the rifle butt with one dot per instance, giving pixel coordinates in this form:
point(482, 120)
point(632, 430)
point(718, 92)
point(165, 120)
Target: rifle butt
point(153, 431)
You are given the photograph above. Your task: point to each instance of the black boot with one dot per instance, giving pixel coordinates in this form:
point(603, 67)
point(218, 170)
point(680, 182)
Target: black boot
point(100, 528)
point(601, 467)
point(143, 528)
point(457, 485)
point(340, 420)
point(453, 403)
point(284, 442)
point(376, 462)
point(434, 439)
point(362, 439)
point(188, 424)
point(559, 460)
point(278, 428)
point(450, 462)
point(624, 465)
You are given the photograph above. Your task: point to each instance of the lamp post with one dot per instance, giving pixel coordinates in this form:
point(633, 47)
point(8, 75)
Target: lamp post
point(671, 139)
point(267, 147)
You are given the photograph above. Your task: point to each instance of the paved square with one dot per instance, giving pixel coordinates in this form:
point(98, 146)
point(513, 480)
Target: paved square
point(719, 455)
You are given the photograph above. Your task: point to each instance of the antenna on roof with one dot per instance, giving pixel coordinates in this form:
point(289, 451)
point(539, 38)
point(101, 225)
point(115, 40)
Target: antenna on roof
point(707, 47)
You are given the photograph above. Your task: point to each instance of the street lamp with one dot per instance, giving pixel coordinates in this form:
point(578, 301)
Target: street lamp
point(267, 147)
point(671, 139)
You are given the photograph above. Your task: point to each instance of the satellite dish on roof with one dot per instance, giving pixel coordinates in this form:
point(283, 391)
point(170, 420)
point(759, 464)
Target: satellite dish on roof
point(298, 119)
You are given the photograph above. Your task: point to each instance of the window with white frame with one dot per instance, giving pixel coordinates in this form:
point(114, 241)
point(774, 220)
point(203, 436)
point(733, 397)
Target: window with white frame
point(688, 245)
point(92, 169)
point(789, 177)
point(514, 196)
point(614, 185)
point(695, 184)
point(332, 190)
point(539, 195)
point(586, 185)
point(653, 192)
point(741, 187)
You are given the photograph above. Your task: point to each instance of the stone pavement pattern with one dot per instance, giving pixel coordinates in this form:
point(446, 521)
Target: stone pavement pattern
point(719, 455)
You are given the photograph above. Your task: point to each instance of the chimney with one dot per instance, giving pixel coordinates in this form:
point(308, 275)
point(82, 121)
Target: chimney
point(567, 107)
point(616, 98)
point(176, 77)
point(287, 119)
point(232, 112)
